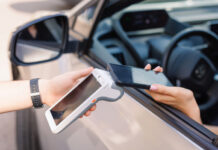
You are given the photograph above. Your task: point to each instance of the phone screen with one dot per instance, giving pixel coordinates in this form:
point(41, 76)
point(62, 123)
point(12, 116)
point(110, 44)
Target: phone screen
point(136, 77)
point(74, 99)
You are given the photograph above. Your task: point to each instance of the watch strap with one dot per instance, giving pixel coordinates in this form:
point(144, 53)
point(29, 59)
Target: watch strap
point(35, 94)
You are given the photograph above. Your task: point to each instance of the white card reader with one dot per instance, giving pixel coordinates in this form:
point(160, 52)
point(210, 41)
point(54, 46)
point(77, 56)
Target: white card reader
point(97, 86)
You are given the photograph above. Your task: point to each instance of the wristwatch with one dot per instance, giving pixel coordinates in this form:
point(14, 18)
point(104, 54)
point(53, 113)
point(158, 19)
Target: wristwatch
point(35, 94)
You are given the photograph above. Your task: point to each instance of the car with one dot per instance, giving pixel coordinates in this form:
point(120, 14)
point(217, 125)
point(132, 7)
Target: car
point(181, 36)
point(72, 2)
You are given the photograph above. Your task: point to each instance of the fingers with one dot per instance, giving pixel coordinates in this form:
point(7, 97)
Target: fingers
point(88, 113)
point(93, 108)
point(147, 67)
point(161, 89)
point(169, 100)
point(82, 73)
point(158, 69)
point(166, 99)
point(165, 90)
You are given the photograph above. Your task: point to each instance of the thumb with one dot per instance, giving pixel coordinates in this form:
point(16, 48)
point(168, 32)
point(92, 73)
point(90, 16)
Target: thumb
point(161, 89)
point(82, 73)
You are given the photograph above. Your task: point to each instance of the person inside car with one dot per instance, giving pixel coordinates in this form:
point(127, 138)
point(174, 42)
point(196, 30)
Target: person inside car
point(16, 95)
point(179, 98)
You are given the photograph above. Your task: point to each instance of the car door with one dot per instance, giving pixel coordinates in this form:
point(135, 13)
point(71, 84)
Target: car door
point(134, 122)
point(29, 138)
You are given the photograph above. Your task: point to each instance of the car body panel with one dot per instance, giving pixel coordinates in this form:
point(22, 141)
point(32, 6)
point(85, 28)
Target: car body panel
point(122, 125)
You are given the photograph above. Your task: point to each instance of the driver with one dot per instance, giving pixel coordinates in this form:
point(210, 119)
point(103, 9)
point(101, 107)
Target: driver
point(179, 98)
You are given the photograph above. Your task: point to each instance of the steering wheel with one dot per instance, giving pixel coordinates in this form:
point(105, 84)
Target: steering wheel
point(189, 67)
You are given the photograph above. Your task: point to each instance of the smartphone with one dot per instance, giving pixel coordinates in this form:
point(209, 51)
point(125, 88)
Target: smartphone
point(97, 86)
point(136, 77)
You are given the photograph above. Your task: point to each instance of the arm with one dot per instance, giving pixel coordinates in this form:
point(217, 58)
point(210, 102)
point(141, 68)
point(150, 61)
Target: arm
point(15, 95)
point(179, 98)
point(213, 129)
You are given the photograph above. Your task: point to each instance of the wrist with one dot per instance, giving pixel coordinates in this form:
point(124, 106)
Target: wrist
point(43, 89)
point(194, 111)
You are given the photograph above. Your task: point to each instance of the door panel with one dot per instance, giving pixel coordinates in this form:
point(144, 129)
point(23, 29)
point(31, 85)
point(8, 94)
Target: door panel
point(122, 125)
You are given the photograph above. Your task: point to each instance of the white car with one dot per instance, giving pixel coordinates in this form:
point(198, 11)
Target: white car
point(130, 32)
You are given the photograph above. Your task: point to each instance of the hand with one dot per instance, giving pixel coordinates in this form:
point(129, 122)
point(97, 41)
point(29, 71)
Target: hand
point(52, 90)
point(177, 97)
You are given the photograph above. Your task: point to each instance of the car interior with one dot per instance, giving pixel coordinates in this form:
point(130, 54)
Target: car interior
point(183, 40)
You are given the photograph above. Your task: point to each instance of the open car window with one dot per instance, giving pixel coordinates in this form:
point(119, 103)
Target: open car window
point(139, 35)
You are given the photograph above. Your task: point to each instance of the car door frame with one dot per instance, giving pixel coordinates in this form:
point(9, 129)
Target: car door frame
point(191, 129)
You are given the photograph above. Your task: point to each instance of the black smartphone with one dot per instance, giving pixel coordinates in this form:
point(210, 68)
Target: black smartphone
point(136, 77)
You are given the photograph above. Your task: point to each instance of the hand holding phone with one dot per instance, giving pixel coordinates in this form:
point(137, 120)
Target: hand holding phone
point(136, 77)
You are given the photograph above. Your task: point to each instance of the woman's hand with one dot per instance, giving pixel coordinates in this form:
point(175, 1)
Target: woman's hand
point(52, 90)
point(177, 97)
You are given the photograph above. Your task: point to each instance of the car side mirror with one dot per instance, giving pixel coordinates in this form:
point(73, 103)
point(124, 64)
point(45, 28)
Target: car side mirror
point(39, 41)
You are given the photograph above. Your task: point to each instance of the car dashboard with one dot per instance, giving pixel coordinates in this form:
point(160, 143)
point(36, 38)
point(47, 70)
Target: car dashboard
point(145, 34)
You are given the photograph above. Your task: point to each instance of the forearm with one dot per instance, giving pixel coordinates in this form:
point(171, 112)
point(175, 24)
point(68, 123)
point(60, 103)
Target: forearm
point(194, 113)
point(214, 129)
point(15, 95)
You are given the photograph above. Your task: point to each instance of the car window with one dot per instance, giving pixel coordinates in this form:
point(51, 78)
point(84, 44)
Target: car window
point(141, 33)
